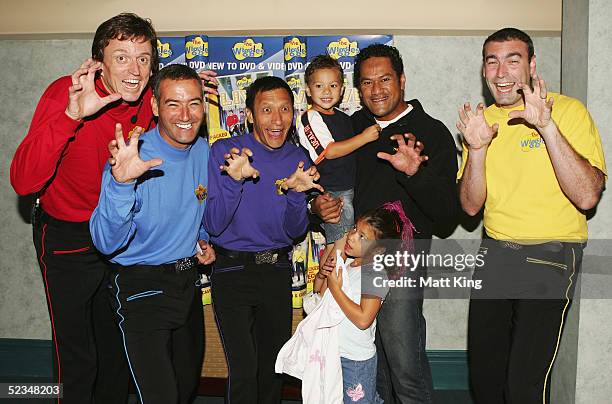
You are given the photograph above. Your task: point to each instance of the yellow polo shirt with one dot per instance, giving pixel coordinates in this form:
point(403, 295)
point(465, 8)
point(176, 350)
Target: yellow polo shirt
point(524, 200)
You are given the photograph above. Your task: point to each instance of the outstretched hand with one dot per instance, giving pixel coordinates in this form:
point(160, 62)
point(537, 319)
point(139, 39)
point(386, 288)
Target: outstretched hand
point(303, 180)
point(237, 164)
point(537, 110)
point(474, 128)
point(407, 157)
point(83, 100)
point(125, 161)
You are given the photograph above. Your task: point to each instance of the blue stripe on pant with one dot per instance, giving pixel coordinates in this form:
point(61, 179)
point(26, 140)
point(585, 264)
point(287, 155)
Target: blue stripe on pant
point(163, 330)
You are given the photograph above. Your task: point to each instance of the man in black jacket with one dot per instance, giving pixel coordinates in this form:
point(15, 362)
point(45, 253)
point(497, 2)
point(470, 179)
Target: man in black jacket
point(414, 161)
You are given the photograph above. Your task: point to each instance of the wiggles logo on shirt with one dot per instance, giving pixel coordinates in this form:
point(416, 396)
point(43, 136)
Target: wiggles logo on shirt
point(163, 49)
point(248, 49)
point(342, 48)
point(201, 193)
point(294, 49)
point(532, 141)
point(196, 47)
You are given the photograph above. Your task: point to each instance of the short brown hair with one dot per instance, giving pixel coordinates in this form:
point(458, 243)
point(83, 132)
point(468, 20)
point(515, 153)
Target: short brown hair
point(125, 26)
point(322, 62)
point(509, 34)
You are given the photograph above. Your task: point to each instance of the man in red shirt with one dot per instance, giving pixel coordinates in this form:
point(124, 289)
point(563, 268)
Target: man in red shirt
point(61, 160)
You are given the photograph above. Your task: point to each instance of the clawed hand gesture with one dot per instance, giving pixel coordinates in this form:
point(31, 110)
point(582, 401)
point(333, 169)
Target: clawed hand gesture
point(238, 166)
point(474, 128)
point(303, 180)
point(83, 100)
point(537, 110)
point(407, 157)
point(126, 165)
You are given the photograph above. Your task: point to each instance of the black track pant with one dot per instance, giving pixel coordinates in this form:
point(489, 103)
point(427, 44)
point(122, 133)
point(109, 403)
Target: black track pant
point(516, 319)
point(88, 354)
point(162, 323)
point(252, 305)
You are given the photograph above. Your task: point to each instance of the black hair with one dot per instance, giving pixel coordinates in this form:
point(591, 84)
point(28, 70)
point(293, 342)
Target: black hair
point(390, 222)
point(263, 84)
point(322, 62)
point(174, 72)
point(378, 50)
point(125, 26)
point(509, 34)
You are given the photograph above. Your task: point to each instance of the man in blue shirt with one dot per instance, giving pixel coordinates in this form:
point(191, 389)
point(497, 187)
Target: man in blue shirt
point(149, 220)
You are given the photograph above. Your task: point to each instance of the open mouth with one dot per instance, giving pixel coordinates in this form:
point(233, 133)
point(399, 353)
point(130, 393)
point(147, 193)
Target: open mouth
point(184, 126)
point(275, 133)
point(132, 84)
point(504, 87)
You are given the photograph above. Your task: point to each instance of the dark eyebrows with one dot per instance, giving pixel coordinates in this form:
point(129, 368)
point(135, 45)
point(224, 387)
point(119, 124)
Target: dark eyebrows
point(380, 77)
point(512, 54)
point(509, 55)
point(169, 100)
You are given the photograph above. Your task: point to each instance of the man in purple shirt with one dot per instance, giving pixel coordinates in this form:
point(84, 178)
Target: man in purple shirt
point(256, 207)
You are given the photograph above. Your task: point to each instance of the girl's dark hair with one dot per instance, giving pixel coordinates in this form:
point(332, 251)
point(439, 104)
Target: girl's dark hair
point(391, 223)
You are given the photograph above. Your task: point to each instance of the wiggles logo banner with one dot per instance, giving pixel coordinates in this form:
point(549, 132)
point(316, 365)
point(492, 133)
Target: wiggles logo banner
point(171, 50)
point(196, 51)
point(294, 48)
point(342, 48)
point(248, 49)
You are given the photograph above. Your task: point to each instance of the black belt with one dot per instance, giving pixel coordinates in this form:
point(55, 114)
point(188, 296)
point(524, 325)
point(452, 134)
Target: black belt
point(185, 264)
point(181, 265)
point(550, 246)
point(257, 257)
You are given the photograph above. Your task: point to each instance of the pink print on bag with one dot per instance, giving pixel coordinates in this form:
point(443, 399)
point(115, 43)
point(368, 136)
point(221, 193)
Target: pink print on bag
point(316, 358)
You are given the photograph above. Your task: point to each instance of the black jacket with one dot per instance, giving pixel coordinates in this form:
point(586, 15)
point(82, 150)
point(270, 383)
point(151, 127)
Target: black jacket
point(430, 196)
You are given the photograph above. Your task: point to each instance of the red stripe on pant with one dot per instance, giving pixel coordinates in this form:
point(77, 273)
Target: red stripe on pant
point(42, 263)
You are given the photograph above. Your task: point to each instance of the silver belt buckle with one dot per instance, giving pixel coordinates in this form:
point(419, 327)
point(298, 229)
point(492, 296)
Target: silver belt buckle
point(511, 245)
point(184, 264)
point(266, 257)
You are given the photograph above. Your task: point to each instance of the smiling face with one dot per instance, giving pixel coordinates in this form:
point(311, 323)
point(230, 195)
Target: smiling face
point(126, 67)
point(380, 88)
point(180, 109)
point(325, 87)
point(272, 116)
point(505, 65)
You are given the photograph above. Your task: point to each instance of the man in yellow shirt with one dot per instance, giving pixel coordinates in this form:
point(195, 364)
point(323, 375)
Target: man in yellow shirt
point(534, 161)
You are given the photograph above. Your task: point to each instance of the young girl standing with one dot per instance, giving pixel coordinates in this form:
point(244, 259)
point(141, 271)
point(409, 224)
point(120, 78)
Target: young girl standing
point(361, 302)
